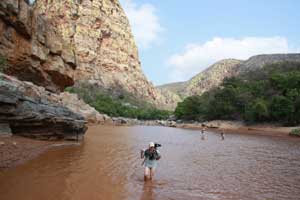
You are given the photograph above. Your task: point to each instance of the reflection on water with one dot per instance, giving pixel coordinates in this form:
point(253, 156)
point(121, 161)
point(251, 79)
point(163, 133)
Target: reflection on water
point(107, 166)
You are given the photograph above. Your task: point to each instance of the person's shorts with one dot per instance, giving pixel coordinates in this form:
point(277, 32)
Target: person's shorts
point(150, 164)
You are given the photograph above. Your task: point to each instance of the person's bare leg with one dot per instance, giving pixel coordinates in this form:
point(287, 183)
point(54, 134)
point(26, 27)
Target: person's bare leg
point(147, 174)
point(152, 172)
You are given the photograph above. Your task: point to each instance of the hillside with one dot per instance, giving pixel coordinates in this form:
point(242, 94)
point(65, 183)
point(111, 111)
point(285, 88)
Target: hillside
point(204, 81)
point(268, 94)
point(177, 88)
point(216, 73)
point(257, 62)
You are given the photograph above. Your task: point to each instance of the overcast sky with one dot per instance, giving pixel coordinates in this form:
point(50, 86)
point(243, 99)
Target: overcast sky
point(178, 39)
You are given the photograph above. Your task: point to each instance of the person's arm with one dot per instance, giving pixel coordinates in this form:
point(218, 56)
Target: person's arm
point(142, 153)
point(158, 155)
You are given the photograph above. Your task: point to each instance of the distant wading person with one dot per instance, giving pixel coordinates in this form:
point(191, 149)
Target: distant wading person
point(150, 156)
point(202, 132)
point(222, 135)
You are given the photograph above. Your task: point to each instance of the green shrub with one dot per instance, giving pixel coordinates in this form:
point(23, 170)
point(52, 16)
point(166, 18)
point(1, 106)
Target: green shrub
point(281, 108)
point(295, 132)
point(256, 111)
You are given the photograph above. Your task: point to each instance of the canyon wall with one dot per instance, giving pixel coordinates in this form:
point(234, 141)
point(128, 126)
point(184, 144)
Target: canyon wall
point(58, 43)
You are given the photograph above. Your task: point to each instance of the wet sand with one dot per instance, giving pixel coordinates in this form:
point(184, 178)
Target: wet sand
point(16, 150)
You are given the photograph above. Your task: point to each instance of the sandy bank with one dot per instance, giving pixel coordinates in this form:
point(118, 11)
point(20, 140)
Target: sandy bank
point(16, 150)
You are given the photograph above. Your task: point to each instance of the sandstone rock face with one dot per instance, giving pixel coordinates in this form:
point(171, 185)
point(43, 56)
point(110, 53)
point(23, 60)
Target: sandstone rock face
point(56, 43)
point(34, 50)
point(34, 112)
point(205, 80)
point(99, 34)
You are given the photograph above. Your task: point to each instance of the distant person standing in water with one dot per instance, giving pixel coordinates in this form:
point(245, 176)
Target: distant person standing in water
point(150, 156)
point(202, 132)
point(222, 135)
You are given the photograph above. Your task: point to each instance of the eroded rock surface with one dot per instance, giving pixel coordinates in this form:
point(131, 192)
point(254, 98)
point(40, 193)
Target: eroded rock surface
point(56, 43)
point(32, 111)
point(33, 48)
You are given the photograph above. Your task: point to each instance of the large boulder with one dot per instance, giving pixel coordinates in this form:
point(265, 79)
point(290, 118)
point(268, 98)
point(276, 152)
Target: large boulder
point(74, 103)
point(32, 111)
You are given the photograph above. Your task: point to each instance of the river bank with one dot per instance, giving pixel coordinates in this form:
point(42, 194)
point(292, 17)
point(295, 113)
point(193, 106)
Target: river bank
point(16, 150)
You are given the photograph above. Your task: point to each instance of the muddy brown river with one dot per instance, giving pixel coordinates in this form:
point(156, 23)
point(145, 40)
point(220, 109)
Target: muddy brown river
point(107, 166)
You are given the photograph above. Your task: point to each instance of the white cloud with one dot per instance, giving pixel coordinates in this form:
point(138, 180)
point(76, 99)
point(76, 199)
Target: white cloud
point(144, 22)
point(197, 57)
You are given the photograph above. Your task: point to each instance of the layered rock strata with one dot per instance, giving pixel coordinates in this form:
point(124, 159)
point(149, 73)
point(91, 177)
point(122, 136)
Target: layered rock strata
point(34, 112)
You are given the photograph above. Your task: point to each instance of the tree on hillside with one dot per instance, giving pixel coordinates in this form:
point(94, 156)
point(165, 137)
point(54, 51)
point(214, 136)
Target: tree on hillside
point(270, 94)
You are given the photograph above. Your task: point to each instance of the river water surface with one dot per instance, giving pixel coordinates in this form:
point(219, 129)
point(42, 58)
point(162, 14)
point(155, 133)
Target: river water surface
point(107, 166)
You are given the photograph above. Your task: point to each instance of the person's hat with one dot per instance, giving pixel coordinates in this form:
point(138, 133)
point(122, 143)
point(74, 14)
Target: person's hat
point(151, 144)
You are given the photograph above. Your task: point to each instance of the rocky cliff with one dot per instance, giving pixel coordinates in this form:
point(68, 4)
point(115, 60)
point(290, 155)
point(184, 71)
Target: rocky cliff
point(176, 87)
point(33, 48)
point(58, 43)
point(31, 111)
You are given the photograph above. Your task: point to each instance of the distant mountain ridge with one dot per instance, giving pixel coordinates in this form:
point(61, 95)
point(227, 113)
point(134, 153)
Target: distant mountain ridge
point(216, 73)
point(209, 78)
point(259, 61)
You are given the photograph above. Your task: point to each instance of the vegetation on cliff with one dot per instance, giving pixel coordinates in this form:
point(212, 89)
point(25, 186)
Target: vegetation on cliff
point(269, 94)
point(117, 104)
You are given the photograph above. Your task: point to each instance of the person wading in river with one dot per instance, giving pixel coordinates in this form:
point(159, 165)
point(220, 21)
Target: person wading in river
point(150, 156)
point(202, 132)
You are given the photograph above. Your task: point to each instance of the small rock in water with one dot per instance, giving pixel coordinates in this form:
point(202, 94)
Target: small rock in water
point(2, 143)
point(14, 143)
